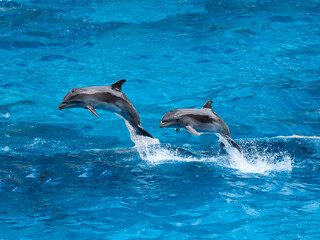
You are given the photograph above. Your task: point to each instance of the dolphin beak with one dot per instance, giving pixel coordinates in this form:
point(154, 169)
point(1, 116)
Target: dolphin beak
point(62, 106)
point(163, 124)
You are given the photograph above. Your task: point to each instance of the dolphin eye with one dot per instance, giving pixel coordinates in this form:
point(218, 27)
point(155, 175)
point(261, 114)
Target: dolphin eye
point(72, 91)
point(177, 119)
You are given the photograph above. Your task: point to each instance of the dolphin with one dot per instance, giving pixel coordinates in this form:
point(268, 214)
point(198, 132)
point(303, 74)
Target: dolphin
point(197, 122)
point(109, 98)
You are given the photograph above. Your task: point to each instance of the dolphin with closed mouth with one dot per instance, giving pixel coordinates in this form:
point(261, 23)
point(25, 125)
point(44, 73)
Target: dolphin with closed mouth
point(197, 122)
point(108, 98)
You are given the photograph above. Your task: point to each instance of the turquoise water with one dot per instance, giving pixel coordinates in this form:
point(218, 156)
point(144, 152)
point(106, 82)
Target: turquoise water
point(69, 175)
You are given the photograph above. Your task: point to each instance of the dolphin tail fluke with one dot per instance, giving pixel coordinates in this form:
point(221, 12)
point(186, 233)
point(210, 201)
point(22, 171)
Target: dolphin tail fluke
point(140, 131)
point(232, 143)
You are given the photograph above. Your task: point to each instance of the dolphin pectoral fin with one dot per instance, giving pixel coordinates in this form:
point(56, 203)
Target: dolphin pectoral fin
point(177, 129)
point(192, 130)
point(91, 109)
point(234, 144)
point(119, 115)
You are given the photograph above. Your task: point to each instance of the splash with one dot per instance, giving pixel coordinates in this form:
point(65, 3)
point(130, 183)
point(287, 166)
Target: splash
point(151, 150)
point(158, 154)
point(138, 140)
point(5, 149)
point(254, 161)
point(4, 115)
point(250, 161)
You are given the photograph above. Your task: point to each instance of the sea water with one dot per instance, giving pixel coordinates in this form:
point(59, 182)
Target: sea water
point(69, 175)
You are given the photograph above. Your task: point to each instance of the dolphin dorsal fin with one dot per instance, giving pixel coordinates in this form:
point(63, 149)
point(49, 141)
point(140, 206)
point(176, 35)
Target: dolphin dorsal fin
point(207, 104)
point(118, 85)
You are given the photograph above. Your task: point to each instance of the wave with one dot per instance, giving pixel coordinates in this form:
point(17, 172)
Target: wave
point(299, 136)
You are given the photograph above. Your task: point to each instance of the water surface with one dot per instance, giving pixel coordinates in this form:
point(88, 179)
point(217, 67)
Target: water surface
point(67, 174)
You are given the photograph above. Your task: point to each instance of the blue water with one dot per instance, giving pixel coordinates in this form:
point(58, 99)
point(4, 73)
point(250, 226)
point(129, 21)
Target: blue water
point(69, 175)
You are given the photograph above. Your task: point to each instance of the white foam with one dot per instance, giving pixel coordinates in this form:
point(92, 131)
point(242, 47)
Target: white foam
point(5, 115)
point(83, 175)
point(140, 141)
point(157, 154)
point(256, 162)
point(33, 172)
point(251, 161)
point(299, 136)
point(259, 163)
point(150, 149)
point(4, 149)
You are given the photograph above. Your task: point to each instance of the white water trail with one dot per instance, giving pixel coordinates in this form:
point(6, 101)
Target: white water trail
point(150, 150)
point(255, 161)
point(299, 136)
point(142, 143)
point(252, 161)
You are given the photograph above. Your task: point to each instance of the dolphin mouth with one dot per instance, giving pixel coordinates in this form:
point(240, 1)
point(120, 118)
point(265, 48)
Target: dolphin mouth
point(62, 106)
point(164, 124)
